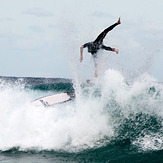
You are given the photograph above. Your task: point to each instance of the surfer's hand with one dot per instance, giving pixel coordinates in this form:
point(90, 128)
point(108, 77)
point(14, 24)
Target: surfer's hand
point(81, 58)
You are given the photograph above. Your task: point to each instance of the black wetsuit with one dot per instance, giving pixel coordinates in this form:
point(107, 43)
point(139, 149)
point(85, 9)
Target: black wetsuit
point(94, 46)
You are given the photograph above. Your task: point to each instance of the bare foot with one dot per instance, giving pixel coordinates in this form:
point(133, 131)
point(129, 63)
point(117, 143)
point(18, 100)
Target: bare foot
point(117, 51)
point(119, 21)
point(95, 74)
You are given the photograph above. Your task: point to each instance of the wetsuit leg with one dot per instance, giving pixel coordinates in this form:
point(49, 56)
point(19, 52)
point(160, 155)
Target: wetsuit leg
point(95, 62)
point(106, 48)
point(102, 35)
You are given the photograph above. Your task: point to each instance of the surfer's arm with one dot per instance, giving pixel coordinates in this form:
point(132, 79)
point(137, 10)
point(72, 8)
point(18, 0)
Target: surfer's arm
point(81, 50)
point(81, 53)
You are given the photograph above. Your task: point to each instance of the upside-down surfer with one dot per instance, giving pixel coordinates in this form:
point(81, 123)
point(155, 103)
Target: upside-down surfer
point(97, 44)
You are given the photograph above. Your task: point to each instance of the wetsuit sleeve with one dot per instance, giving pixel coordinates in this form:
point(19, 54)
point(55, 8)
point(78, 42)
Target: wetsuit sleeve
point(85, 45)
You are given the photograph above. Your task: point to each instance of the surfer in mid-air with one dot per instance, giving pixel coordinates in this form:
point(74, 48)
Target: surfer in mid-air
point(97, 44)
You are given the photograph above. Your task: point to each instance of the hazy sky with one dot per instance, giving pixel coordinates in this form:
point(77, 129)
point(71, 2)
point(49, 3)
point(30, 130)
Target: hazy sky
point(41, 38)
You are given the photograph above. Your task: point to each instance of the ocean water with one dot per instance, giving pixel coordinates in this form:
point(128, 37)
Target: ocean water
point(110, 120)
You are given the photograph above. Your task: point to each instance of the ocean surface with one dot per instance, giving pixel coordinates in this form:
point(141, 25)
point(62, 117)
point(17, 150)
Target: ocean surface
point(110, 120)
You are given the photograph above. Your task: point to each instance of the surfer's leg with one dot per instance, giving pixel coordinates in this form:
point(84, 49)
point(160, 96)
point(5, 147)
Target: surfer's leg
point(106, 48)
point(95, 59)
point(100, 38)
point(109, 48)
point(102, 35)
point(111, 27)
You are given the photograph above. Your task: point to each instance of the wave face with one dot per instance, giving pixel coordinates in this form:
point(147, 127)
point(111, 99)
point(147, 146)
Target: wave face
point(108, 119)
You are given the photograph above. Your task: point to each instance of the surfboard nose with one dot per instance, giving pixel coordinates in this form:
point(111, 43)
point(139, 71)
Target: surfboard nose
point(54, 99)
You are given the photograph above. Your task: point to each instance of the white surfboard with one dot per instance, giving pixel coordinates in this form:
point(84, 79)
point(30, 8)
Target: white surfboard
point(53, 99)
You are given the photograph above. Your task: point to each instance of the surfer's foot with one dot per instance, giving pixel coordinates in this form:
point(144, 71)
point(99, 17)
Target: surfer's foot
point(95, 74)
point(115, 50)
point(119, 21)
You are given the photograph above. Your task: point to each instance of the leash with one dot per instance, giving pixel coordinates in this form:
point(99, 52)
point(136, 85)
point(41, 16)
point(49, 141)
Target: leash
point(102, 64)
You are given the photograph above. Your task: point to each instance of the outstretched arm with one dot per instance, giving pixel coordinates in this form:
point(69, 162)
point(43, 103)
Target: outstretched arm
point(81, 53)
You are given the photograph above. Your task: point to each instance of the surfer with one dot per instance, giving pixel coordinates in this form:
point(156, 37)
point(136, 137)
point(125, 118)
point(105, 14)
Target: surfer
point(97, 44)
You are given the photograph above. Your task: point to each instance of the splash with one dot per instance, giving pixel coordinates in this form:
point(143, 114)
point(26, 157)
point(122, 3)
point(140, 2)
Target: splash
point(108, 110)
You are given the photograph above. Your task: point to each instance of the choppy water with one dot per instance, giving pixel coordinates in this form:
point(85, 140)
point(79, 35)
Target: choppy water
point(109, 120)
